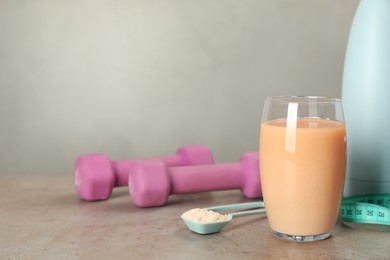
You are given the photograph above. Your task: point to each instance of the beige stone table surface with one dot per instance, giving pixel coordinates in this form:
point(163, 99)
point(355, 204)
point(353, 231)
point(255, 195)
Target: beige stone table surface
point(41, 217)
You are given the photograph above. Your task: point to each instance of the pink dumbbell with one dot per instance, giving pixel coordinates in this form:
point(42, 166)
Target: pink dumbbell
point(95, 175)
point(151, 182)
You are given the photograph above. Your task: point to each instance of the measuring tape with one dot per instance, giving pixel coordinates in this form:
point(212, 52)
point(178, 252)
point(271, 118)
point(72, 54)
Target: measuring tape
point(371, 211)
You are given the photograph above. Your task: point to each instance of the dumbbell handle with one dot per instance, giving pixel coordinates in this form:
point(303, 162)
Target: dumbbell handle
point(121, 168)
point(187, 179)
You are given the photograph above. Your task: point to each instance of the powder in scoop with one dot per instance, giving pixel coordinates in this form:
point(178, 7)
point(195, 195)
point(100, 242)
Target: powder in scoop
point(203, 216)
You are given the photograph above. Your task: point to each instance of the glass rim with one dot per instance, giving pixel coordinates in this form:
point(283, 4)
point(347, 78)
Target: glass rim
point(302, 99)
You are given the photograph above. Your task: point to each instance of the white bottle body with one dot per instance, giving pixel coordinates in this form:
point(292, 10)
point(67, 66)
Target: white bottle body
point(366, 99)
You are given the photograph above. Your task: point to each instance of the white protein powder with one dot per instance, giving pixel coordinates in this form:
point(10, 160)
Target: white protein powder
point(204, 216)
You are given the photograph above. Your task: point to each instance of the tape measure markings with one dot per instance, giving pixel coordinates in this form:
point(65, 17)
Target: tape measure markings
point(367, 209)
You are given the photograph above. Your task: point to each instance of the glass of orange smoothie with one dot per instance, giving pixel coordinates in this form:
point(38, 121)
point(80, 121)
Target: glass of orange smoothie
point(302, 165)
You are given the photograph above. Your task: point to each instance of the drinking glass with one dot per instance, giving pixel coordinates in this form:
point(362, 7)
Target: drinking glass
point(302, 165)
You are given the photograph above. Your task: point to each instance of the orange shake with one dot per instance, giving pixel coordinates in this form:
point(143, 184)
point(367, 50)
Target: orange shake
point(302, 171)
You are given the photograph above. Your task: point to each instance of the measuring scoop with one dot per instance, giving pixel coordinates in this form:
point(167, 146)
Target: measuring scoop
point(214, 227)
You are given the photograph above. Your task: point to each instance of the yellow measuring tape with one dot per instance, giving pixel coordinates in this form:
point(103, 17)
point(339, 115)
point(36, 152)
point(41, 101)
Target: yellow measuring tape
point(370, 211)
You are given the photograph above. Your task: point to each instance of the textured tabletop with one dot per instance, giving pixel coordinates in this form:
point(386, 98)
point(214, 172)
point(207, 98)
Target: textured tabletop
point(43, 218)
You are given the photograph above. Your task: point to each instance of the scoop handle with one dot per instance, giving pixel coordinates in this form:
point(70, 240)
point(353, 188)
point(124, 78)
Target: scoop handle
point(247, 213)
point(246, 205)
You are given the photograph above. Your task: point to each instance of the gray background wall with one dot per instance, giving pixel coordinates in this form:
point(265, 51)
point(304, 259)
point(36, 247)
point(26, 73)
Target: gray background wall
point(140, 78)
